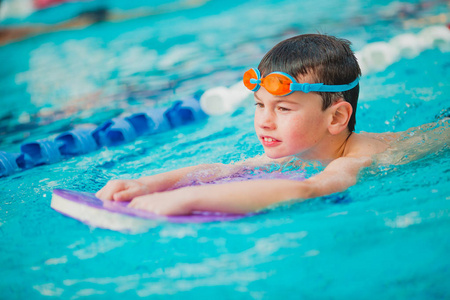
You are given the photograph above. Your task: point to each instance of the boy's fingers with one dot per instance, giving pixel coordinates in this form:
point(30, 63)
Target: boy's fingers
point(141, 202)
point(126, 195)
point(102, 193)
point(112, 187)
point(106, 195)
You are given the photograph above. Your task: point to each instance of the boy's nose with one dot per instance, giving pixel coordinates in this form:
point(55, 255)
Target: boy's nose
point(266, 120)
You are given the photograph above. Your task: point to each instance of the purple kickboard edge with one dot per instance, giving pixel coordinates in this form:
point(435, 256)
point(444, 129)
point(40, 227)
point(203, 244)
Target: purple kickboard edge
point(89, 199)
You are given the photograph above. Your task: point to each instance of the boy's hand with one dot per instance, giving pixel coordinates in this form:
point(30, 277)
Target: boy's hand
point(122, 190)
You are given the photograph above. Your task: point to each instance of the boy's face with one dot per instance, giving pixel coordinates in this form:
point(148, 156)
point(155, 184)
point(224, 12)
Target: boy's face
point(291, 125)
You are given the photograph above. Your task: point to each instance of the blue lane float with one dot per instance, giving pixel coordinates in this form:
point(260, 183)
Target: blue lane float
point(113, 132)
point(76, 142)
point(8, 163)
point(150, 122)
point(40, 153)
point(185, 112)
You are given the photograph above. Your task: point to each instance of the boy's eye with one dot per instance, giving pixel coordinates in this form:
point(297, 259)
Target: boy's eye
point(283, 108)
point(259, 104)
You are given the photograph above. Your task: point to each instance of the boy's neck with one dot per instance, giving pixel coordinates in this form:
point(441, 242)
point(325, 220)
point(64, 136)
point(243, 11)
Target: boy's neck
point(331, 148)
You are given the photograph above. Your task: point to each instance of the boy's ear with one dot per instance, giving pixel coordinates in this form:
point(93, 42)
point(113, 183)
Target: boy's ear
point(341, 111)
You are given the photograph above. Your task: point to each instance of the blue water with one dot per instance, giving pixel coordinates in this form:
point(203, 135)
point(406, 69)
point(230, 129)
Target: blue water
point(388, 240)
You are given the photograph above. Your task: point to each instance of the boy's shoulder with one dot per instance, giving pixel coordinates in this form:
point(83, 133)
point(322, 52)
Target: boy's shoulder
point(367, 144)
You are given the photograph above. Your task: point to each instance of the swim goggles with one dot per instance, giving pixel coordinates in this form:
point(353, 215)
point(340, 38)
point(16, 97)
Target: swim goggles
point(282, 84)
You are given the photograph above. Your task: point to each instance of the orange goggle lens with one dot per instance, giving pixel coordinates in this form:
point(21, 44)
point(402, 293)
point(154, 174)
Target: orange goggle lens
point(251, 74)
point(277, 84)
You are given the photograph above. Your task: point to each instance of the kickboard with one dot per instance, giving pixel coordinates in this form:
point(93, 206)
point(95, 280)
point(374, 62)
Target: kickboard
point(114, 215)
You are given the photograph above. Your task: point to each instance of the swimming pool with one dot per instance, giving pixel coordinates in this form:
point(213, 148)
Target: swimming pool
point(388, 240)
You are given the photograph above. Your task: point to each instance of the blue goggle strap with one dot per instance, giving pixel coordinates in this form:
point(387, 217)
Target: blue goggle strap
point(320, 87)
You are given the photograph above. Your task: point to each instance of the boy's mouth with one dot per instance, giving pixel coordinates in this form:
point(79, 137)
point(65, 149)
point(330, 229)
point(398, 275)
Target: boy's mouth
point(269, 141)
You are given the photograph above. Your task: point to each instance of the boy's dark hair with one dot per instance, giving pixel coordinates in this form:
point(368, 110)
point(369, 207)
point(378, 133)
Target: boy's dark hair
point(326, 59)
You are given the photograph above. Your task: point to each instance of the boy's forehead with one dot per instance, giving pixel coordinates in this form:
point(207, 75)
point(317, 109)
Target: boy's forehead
point(294, 98)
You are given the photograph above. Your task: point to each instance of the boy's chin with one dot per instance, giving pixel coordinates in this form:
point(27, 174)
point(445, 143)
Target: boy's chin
point(274, 155)
point(278, 155)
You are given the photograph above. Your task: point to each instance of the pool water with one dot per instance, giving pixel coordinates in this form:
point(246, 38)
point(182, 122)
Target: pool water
point(389, 239)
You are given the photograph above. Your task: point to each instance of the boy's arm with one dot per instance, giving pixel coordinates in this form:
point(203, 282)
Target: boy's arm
point(338, 176)
point(253, 195)
point(125, 190)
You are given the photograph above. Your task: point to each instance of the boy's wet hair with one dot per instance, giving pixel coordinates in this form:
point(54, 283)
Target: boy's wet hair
point(325, 59)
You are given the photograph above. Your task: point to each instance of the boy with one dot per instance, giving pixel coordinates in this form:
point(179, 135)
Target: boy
point(309, 121)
